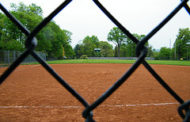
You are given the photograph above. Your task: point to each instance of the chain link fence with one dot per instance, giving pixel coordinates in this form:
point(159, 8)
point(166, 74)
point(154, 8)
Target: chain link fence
point(7, 57)
point(120, 58)
point(141, 51)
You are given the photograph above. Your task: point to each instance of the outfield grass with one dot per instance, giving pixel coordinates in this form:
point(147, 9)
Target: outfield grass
point(90, 61)
point(80, 61)
point(166, 62)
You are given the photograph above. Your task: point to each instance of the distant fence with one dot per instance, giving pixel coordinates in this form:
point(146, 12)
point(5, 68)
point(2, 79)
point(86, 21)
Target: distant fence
point(8, 57)
point(121, 58)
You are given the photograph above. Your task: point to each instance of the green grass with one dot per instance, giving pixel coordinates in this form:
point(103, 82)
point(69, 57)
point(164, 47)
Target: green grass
point(89, 61)
point(169, 62)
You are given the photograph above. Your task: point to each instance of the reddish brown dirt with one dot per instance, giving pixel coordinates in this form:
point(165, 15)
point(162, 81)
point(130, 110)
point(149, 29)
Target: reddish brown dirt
point(43, 99)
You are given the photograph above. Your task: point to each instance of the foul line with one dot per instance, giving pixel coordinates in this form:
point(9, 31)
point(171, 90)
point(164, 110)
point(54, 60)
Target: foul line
point(75, 107)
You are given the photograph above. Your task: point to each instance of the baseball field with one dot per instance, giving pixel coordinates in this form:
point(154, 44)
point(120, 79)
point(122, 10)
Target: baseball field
point(31, 94)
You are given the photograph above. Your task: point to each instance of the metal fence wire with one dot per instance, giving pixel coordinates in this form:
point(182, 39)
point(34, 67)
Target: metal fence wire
point(141, 51)
point(9, 56)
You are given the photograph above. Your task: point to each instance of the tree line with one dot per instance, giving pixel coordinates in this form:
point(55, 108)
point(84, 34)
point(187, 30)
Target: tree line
point(52, 40)
point(56, 42)
point(124, 46)
point(180, 49)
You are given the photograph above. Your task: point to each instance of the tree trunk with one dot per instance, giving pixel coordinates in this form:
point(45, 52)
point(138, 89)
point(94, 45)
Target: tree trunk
point(118, 50)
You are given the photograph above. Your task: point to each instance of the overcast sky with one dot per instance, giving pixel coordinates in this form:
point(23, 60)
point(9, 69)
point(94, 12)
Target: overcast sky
point(83, 17)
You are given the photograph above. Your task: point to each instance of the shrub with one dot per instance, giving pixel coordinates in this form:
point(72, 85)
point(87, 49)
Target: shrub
point(84, 57)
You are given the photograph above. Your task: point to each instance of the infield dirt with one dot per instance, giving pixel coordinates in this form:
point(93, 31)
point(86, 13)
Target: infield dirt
point(31, 94)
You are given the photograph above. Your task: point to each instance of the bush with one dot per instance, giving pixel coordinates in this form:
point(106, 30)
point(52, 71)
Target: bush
point(84, 57)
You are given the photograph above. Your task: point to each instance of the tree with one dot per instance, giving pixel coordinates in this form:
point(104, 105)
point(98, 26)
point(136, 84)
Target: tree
point(124, 51)
point(69, 52)
point(106, 49)
point(78, 50)
point(52, 40)
point(89, 44)
point(156, 54)
point(87, 47)
point(117, 37)
point(53, 34)
point(68, 35)
point(181, 44)
point(165, 53)
point(31, 9)
point(128, 47)
point(10, 32)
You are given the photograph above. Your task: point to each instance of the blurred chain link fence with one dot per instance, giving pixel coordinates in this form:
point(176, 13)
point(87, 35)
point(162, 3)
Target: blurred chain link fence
point(7, 57)
point(141, 51)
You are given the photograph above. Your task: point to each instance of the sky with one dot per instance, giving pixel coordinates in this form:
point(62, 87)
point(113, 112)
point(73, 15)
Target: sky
point(83, 18)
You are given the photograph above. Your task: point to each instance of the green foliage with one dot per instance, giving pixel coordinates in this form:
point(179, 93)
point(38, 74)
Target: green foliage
point(125, 47)
point(78, 50)
point(118, 37)
point(106, 49)
point(84, 57)
point(150, 52)
point(128, 47)
point(10, 36)
point(156, 54)
point(182, 43)
point(31, 9)
point(89, 44)
point(165, 53)
point(124, 51)
point(69, 52)
point(52, 40)
point(181, 48)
